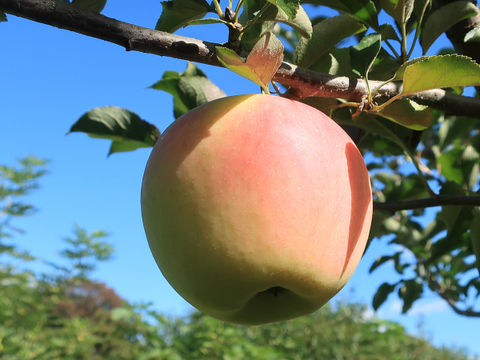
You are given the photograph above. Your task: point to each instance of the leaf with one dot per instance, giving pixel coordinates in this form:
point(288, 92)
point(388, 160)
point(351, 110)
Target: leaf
point(206, 21)
point(261, 64)
point(301, 22)
point(442, 19)
point(440, 72)
point(335, 62)
point(388, 32)
point(189, 89)
point(449, 165)
point(289, 7)
point(400, 10)
point(401, 70)
point(326, 34)
point(362, 10)
point(475, 238)
point(364, 54)
point(92, 5)
point(3, 17)
point(409, 114)
point(119, 125)
point(380, 261)
point(177, 13)
point(381, 295)
point(409, 292)
point(473, 35)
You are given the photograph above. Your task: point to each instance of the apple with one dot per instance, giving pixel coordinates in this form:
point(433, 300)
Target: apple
point(256, 208)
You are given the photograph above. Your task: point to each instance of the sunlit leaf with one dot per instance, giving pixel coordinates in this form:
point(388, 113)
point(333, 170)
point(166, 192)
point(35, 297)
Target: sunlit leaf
point(473, 35)
point(206, 21)
point(408, 113)
point(440, 72)
point(261, 64)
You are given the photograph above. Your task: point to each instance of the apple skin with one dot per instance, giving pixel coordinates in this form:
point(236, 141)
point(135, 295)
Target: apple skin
point(256, 208)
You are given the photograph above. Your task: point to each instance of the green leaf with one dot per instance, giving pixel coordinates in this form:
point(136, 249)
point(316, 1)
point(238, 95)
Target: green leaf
point(381, 295)
point(440, 72)
point(189, 89)
point(177, 13)
point(388, 32)
point(206, 21)
point(473, 35)
point(400, 10)
point(335, 62)
point(362, 10)
point(449, 165)
point(444, 18)
point(475, 238)
point(380, 261)
point(409, 292)
point(92, 5)
point(408, 113)
point(364, 54)
point(401, 70)
point(119, 125)
point(3, 17)
point(289, 7)
point(261, 64)
point(301, 22)
point(326, 34)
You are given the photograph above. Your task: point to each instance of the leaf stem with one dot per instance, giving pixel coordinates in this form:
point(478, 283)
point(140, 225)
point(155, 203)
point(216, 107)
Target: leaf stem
point(220, 13)
point(403, 30)
point(237, 9)
point(259, 14)
point(417, 32)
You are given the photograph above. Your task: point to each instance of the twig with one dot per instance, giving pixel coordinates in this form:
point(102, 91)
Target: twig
point(439, 200)
point(303, 83)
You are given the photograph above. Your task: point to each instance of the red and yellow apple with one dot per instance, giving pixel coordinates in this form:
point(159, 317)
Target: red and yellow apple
point(256, 208)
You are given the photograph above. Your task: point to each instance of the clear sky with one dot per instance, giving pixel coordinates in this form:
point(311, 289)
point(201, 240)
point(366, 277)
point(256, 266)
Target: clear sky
point(50, 77)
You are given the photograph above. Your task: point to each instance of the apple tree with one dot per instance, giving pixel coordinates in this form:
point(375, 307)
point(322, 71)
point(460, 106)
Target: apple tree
point(414, 115)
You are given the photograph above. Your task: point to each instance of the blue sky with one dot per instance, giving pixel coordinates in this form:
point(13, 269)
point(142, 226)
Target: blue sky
point(50, 77)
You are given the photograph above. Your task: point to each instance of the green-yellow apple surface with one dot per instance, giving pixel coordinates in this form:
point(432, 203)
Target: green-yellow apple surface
point(256, 208)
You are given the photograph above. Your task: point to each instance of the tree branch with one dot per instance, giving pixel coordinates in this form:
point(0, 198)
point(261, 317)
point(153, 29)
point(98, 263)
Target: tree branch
point(434, 285)
point(439, 200)
point(303, 83)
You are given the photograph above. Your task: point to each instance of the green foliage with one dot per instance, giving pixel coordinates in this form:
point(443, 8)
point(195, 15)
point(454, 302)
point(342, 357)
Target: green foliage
point(15, 183)
point(125, 128)
point(189, 89)
point(86, 320)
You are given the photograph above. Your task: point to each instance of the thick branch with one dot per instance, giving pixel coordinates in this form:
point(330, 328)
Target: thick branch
point(303, 83)
point(439, 200)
